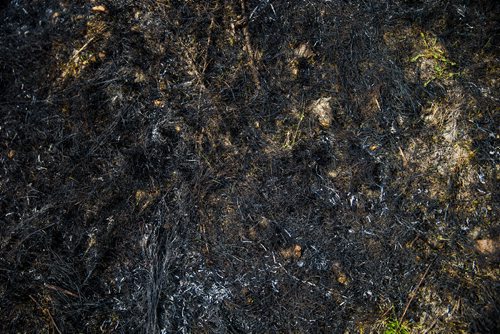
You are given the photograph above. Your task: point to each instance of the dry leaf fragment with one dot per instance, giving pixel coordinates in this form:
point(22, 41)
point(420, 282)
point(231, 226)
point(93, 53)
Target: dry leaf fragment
point(252, 233)
point(323, 111)
point(145, 198)
point(304, 51)
point(139, 76)
point(55, 17)
point(159, 103)
point(339, 273)
point(294, 67)
point(342, 278)
point(297, 251)
point(286, 253)
point(264, 222)
point(292, 252)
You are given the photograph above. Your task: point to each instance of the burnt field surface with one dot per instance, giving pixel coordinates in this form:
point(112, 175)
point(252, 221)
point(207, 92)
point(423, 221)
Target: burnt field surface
point(249, 166)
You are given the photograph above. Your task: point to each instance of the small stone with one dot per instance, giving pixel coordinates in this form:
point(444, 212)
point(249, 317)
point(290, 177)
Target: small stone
point(99, 9)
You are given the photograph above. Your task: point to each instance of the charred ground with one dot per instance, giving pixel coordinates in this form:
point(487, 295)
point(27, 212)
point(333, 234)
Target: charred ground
point(249, 166)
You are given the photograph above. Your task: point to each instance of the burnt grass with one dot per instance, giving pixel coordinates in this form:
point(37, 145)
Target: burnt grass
point(249, 166)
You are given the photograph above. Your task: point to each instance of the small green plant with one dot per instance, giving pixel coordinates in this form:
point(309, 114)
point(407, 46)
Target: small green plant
point(395, 327)
point(434, 51)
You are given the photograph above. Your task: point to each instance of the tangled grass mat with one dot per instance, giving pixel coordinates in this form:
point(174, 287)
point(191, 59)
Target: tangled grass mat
point(249, 166)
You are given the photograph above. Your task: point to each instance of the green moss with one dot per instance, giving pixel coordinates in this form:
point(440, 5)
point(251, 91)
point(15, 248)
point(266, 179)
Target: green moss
point(433, 51)
point(395, 327)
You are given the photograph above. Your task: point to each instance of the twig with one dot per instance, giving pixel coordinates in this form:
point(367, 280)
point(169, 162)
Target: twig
point(63, 75)
point(248, 46)
point(414, 292)
point(48, 312)
point(209, 43)
point(82, 48)
point(56, 288)
point(431, 326)
point(405, 161)
point(195, 71)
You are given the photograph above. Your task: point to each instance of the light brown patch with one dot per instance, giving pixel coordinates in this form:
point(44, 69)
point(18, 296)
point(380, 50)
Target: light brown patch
point(303, 51)
point(292, 252)
point(323, 111)
point(99, 9)
point(159, 103)
point(297, 251)
point(340, 276)
point(487, 246)
point(144, 198)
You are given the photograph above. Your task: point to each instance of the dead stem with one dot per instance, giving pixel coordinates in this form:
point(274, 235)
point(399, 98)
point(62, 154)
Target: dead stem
point(48, 313)
point(414, 292)
point(248, 46)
